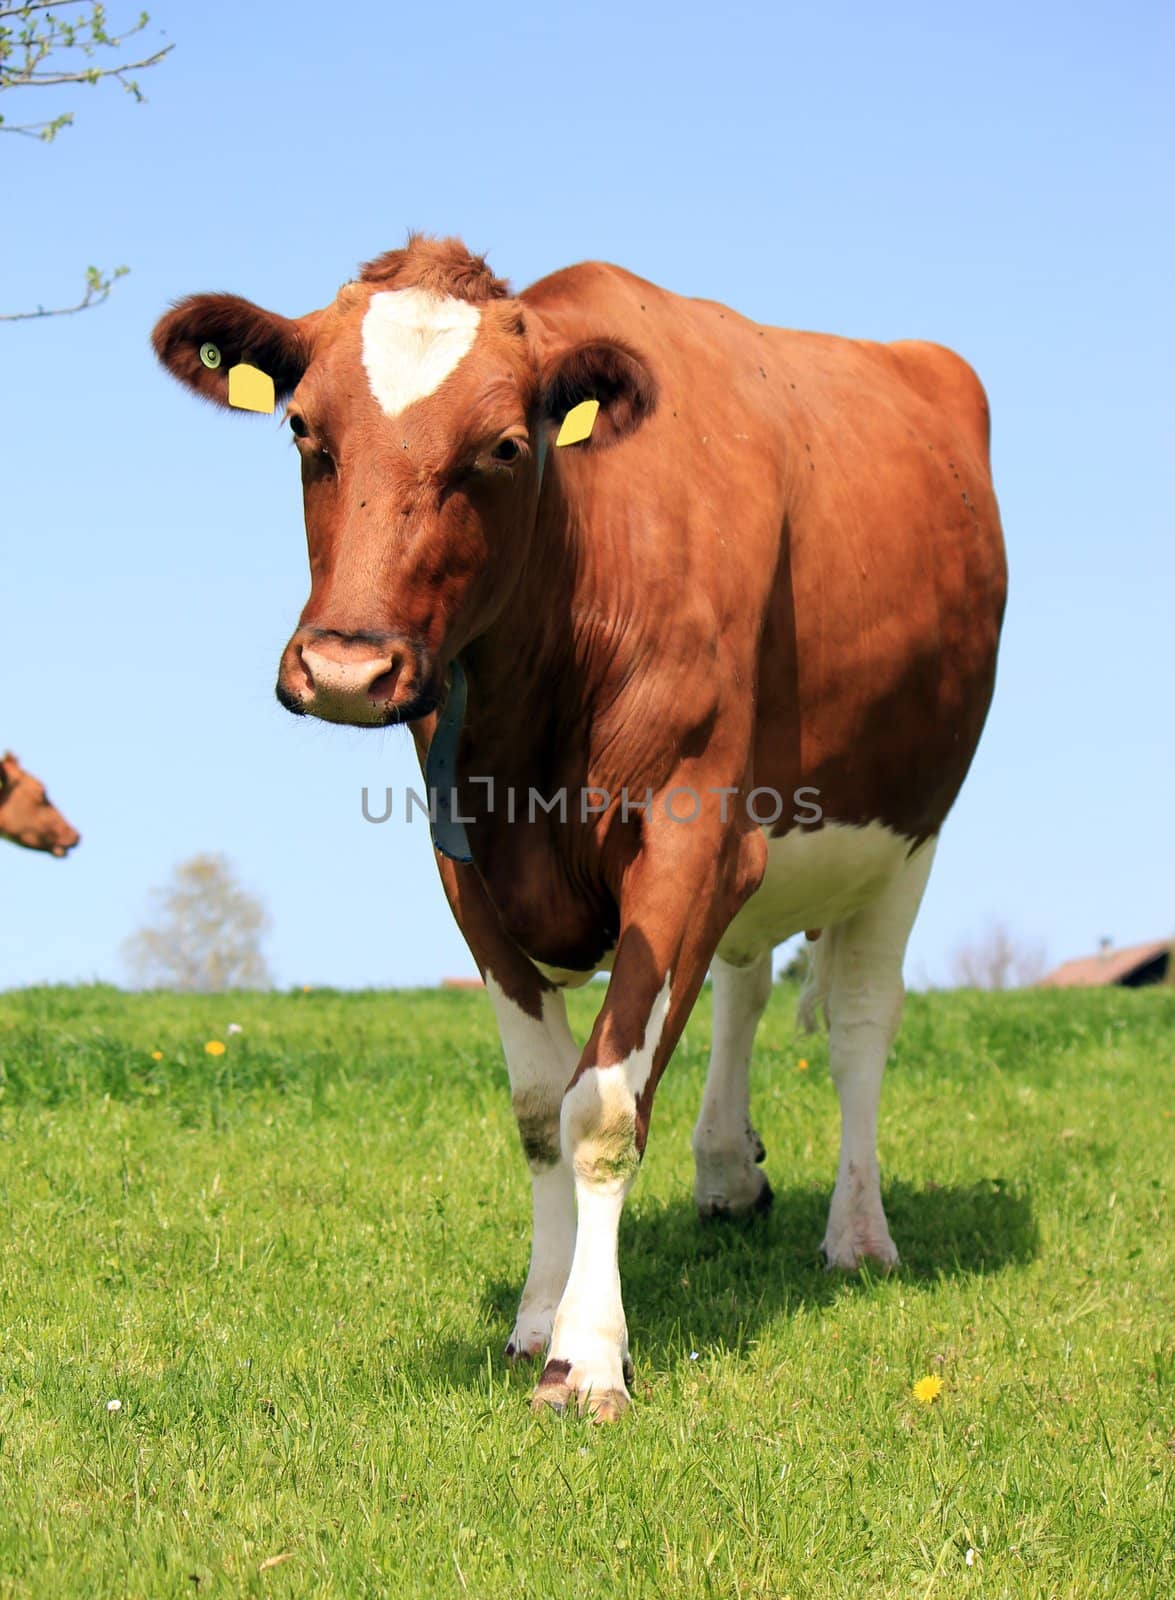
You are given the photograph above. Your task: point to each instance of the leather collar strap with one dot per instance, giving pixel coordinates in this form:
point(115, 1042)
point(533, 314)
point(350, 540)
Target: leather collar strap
point(440, 766)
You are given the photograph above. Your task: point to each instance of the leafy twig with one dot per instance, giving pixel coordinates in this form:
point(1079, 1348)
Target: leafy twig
point(98, 287)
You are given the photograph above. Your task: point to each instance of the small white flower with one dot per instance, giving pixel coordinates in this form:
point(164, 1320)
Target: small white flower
point(234, 1027)
point(114, 1405)
point(583, 1449)
point(693, 1355)
point(969, 1558)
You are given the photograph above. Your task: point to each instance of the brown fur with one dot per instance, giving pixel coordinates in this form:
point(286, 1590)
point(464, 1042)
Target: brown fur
point(442, 266)
point(788, 572)
point(776, 563)
point(278, 345)
point(27, 816)
point(606, 371)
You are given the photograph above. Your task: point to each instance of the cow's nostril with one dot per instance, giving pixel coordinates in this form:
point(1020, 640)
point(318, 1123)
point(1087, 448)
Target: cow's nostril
point(303, 683)
point(384, 686)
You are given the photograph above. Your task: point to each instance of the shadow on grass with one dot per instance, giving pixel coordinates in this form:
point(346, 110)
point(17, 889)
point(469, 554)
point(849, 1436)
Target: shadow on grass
point(689, 1283)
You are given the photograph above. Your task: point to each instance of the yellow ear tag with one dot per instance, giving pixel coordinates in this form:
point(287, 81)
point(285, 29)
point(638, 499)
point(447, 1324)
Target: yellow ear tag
point(579, 422)
point(250, 389)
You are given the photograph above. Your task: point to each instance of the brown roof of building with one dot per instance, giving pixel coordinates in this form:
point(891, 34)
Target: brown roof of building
point(1108, 966)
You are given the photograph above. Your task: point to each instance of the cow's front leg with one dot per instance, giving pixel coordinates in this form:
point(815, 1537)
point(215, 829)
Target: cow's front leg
point(589, 1344)
point(541, 1057)
point(679, 897)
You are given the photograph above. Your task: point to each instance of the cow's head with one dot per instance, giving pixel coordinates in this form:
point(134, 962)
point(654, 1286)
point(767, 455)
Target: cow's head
point(27, 815)
point(421, 403)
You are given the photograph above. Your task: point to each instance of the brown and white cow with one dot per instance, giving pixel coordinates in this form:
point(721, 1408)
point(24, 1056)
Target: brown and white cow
point(27, 815)
point(775, 565)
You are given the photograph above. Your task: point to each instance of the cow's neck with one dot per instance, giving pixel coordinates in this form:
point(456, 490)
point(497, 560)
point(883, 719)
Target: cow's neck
point(555, 660)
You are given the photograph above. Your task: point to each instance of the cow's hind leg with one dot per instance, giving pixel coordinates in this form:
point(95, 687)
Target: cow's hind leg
point(727, 1179)
point(541, 1058)
point(863, 970)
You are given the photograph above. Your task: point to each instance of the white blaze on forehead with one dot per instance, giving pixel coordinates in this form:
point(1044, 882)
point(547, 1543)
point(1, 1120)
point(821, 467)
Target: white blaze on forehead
point(412, 341)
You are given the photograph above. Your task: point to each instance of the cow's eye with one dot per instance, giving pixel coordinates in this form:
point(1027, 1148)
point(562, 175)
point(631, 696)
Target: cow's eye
point(298, 426)
point(506, 452)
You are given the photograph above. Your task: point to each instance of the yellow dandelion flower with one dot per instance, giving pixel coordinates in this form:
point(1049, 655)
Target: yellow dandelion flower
point(157, 1055)
point(801, 1065)
point(928, 1389)
point(214, 1048)
point(305, 988)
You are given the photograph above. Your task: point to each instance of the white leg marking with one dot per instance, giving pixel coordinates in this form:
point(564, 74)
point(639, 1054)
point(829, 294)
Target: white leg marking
point(541, 1057)
point(599, 1140)
point(726, 1147)
point(412, 341)
point(864, 1006)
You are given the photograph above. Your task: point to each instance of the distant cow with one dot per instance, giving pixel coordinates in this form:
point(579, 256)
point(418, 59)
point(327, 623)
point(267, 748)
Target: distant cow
point(27, 815)
point(745, 627)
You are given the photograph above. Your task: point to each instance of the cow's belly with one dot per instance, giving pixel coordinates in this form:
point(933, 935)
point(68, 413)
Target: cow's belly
point(572, 977)
point(813, 880)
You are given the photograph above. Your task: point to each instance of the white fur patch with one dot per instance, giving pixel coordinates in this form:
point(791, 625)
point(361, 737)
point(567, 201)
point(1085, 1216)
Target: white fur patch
point(813, 880)
point(862, 972)
point(541, 1056)
point(728, 1177)
point(598, 1112)
point(412, 341)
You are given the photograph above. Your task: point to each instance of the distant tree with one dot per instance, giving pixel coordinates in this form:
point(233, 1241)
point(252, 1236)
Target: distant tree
point(997, 960)
point(205, 934)
point(58, 44)
point(795, 968)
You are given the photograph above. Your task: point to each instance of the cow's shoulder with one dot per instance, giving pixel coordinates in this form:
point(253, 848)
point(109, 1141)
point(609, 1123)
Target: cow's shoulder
point(944, 379)
point(587, 282)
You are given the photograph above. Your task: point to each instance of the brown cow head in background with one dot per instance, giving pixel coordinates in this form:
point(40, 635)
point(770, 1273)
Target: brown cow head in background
point(421, 402)
point(27, 816)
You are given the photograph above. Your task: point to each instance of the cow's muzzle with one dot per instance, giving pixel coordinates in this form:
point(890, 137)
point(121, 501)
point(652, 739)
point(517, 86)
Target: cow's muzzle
point(365, 679)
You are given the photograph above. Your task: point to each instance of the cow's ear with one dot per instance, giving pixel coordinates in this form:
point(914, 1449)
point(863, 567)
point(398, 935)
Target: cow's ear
point(603, 370)
point(202, 338)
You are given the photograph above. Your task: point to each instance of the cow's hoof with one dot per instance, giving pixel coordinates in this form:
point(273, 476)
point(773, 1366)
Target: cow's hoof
point(531, 1336)
point(561, 1387)
point(747, 1203)
point(552, 1392)
point(848, 1255)
point(609, 1405)
point(517, 1350)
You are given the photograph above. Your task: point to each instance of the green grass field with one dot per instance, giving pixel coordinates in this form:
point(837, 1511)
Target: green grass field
point(295, 1265)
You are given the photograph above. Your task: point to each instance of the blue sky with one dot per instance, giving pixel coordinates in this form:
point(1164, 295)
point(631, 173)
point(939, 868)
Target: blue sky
point(996, 178)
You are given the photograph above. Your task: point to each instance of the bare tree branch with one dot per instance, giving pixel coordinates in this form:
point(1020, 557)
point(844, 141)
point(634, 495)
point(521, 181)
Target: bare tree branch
point(26, 80)
point(19, 9)
point(998, 959)
point(98, 287)
point(75, 41)
point(71, 32)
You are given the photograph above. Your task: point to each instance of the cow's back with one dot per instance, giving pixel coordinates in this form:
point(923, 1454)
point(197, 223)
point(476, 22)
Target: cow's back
point(884, 621)
point(823, 504)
